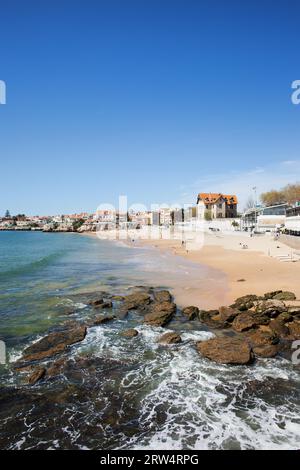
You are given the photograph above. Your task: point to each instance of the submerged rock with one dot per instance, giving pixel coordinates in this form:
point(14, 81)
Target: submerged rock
point(170, 338)
point(191, 312)
point(226, 350)
point(36, 375)
point(103, 305)
point(96, 302)
point(53, 344)
point(56, 367)
point(130, 333)
point(99, 320)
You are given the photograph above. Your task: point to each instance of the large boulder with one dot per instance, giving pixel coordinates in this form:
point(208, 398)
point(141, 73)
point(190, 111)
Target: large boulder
point(226, 350)
point(170, 338)
point(206, 315)
point(130, 333)
point(212, 318)
point(137, 300)
point(245, 302)
point(191, 312)
point(160, 314)
point(162, 296)
point(53, 344)
point(228, 314)
point(286, 295)
point(243, 322)
point(271, 308)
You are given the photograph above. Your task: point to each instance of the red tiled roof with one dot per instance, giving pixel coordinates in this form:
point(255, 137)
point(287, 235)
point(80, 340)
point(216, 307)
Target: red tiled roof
point(212, 198)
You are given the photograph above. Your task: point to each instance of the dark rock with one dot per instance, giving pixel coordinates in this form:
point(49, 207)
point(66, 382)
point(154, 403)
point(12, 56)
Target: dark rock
point(104, 305)
point(279, 328)
point(262, 337)
point(268, 350)
point(271, 295)
point(212, 319)
point(169, 338)
point(162, 296)
point(285, 317)
point(137, 300)
point(243, 322)
point(285, 296)
point(160, 314)
point(131, 333)
point(56, 367)
point(53, 344)
point(99, 320)
point(245, 302)
point(226, 350)
point(260, 318)
point(270, 308)
point(122, 313)
point(96, 302)
point(294, 330)
point(228, 314)
point(37, 375)
point(206, 315)
point(191, 312)
point(294, 311)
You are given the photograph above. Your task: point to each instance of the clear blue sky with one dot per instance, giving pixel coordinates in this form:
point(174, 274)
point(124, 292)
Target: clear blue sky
point(154, 99)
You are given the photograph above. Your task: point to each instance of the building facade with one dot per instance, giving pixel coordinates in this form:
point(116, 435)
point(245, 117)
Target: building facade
point(216, 205)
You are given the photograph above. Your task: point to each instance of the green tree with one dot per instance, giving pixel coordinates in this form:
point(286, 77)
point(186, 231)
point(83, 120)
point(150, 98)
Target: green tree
point(77, 224)
point(207, 215)
point(288, 194)
point(273, 197)
point(7, 214)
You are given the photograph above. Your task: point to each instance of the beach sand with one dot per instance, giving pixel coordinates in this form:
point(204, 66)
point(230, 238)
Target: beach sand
point(254, 270)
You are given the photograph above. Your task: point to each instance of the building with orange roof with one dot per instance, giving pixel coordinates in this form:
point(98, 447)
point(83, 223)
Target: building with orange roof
point(217, 205)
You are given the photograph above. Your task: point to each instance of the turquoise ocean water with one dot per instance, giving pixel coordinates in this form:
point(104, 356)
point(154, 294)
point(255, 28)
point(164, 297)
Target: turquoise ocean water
point(117, 393)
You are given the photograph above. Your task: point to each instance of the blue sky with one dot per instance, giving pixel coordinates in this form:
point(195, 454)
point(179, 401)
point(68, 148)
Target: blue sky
point(158, 100)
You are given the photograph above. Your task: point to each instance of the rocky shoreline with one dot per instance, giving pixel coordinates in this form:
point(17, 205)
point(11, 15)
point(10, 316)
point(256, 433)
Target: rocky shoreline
point(252, 327)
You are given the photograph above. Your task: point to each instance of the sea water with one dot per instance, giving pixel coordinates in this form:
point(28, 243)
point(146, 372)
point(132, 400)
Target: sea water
point(120, 393)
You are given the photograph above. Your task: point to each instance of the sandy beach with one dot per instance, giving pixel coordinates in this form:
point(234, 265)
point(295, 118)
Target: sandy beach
point(254, 270)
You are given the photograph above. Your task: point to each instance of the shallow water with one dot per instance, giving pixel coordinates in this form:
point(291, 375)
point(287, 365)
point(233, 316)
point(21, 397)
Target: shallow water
point(120, 393)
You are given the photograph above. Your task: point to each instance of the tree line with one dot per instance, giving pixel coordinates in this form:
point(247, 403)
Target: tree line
point(288, 194)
